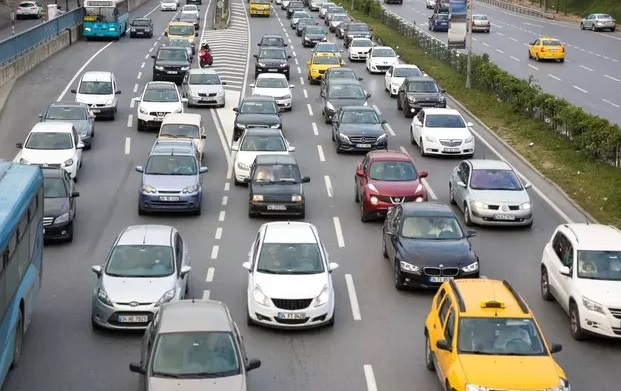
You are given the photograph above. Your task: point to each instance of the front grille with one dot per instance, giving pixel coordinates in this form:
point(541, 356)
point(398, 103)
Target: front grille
point(396, 200)
point(172, 68)
point(362, 139)
point(208, 95)
point(383, 67)
point(48, 165)
point(280, 97)
point(616, 312)
point(96, 105)
point(451, 143)
point(291, 321)
point(358, 36)
point(47, 221)
point(450, 271)
point(171, 204)
point(168, 191)
point(437, 271)
point(514, 207)
point(257, 126)
point(128, 303)
point(276, 199)
point(292, 305)
point(493, 207)
point(158, 113)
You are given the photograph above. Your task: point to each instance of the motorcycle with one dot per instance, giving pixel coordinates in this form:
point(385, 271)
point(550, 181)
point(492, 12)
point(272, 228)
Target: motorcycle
point(205, 58)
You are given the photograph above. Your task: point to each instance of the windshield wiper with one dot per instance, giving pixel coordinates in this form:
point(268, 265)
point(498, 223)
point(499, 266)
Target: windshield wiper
point(479, 352)
point(269, 271)
point(169, 375)
point(307, 272)
point(285, 181)
point(169, 135)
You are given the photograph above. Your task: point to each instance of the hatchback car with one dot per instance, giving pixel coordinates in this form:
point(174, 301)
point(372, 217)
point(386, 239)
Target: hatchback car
point(417, 92)
point(380, 59)
point(359, 48)
point(439, 21)
point(442, 132)
point(256, 112)
point(257, 142)
point(340, 93)
point(185, 126)
point(276, 86)
point(158, 99)
point(203, 87)
point(100, 92)
point(272, 60)
point(146, 267)
point(396, 75)
point(77, 114)
point(59, 205)
point(319, 64)
point(358, 128)
point(481, 23)
point(141, 27)
point(28, 9)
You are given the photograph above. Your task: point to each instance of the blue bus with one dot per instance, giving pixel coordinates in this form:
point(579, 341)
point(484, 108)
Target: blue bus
point(21, 255)
point(105, 18)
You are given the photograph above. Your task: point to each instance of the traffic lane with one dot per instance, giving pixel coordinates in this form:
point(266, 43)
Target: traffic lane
point(20, 27)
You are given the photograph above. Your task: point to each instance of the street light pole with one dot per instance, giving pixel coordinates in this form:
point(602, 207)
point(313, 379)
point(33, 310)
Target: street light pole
point(469, 37)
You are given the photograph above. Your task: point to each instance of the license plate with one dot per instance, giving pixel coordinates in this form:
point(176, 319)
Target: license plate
point(95, 111)
point(504, 217)
point(439, 279)
point(284, 315)
point(451, 149)
point(276, 207)
point(552, 50)
point(133, 319)
point(171, 72)
point(169, 198)
point(272, 70)
point(157, 119)
point(139, 32)
point(363, 145)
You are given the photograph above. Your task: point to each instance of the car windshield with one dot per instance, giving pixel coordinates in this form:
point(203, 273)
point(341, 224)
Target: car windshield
point(357, 27)
point(204, 79)
point(49, 140)
point(263, 144)
point(140, 261)
point(444, 121)
point(181, 30)
point(55, 188)
point(182, 43)
point(360, 117)
point(180, 130)
point(326, 47)
point(384, 53)
point(314, 30)
point(431, 228)
point(189, 8)
point(326, 60)
point(361, 43)
point(95, 88)
point(100, 14)
point(300, 15)
point(603, 17)
point(306, 21)
point(66, 113)
point(599, 265)
point(172, 54)
point(277, 173)
point(345, 91)
point(336, 10)
point(423, 87)
point(290, 258)
point(258, 108)
point(160, 95)
point(500, 336)
point(171, 165)
point(341, 73)
point(272, 42)
point(495, 180)
point(195, 355)
point(271, 82)
point(296, 4)
point(550, 42)
point(327, 5)
point(260, 1)
point(392, 171)
point(141, 23)
point(340, 18)
point(273, 54)
point(407, 72)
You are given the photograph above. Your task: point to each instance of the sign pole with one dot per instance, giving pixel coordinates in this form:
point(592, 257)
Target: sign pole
point(469, 37)
point(12, 22)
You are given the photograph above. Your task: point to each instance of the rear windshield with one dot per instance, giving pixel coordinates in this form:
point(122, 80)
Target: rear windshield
point(551, 42)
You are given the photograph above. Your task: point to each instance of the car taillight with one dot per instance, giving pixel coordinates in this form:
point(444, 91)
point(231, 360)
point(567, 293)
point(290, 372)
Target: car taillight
point(563, 49)
point(33, 8)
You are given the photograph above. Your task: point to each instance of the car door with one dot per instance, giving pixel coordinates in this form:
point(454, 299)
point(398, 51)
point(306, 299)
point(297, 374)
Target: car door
point(180, 261)
point(388, 77)
point(336, 124)
point(461, 192)
point(588, 22)
point(185, 89)
point(563, 256)
point(362, 180)
point(446, 360)
point(436, 333)
point(202, 136)
point(77, 141)
point(72, 201)
point(417, 125)
point(534, 47)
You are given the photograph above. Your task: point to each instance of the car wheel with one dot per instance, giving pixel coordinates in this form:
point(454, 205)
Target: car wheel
point(467, 219)
point(545, 285)
point(581, 26)
point(574, 319)
point(537, 57)
point(451, 195)
point(399, 105)
point(356, 194)
point(384, 252)
point(429, 355)
point(593, 27)
point(529, 56)
point(421, 145)
point(398, 278)
point(19, 338)
point(251, 214)
point(337, 147)
point(364, 217)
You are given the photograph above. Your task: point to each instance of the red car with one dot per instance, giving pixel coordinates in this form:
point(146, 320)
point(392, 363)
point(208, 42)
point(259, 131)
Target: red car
point(385, 178)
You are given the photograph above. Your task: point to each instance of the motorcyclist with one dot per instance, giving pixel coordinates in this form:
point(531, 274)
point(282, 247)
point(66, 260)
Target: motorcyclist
point(205, 57)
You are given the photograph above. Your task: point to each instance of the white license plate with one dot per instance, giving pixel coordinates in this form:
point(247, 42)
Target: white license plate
point(157, 119)
point(504, 217)
point(276, 207)
point(284, 315)
point(133, 319)
point(169, 198)
point(552, 50)
point(171, 72)
point(139, 32)
point(451, 149)
point(363, 145)
point(95, 111)
point(439, 279)
point(272, 70)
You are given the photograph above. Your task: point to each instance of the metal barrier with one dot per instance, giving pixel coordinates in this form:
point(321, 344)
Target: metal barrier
point(518, 9)
point(13, 47)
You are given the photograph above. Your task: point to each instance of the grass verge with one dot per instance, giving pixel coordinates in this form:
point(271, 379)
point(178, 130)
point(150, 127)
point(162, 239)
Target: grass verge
point(594, 186)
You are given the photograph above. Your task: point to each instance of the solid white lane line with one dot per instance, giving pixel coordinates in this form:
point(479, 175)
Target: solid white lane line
point(554, 77)
point(339, 232)
point(128, 142)
point(610, 103)
point(430, 191)
point(227, 186)
point(389, 129)
point(326, 179)
point(587, 68)
point(142, 65)
point(370, 378)
point(130, 119)
point(310, 109)
point(214, 251)
point(515, 59)
point(139, 75)
point(534, 67)
point(322, 157)
point(136, 87)
point(353, 298)
point(377, 109)
point(222, 215)
point(305, 93)
point(210, 273)
point(612, 78)
point(581, 89)
point(225, 200)
point(206, 295)
point(218, 234)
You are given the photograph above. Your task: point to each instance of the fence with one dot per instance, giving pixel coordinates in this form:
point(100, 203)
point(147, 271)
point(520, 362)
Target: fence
point(518, 9)
point(17, 45)
point(222, 15)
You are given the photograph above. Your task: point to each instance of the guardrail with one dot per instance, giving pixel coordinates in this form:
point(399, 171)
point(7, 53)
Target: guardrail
point(15, 46)
point(518, 9)
point(222, 15)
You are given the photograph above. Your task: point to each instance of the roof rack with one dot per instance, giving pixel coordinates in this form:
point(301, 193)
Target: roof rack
point(460, 300)
point(518, 298)
point(572, 231)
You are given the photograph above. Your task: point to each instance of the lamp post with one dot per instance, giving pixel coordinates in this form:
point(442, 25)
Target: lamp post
point(469, 38)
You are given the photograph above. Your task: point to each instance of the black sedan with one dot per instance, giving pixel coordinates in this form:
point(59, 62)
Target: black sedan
point(59, 205)
point(358, 128)
point(303, 24)
point(340, 93)
point(313, 34)
point(272, 60)
point(276, 186)
point(141, 27)
point(426, 245)
point(256, 112)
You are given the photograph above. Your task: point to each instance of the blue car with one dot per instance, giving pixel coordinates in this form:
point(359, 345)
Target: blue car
point(171, 179)
point(439, 22)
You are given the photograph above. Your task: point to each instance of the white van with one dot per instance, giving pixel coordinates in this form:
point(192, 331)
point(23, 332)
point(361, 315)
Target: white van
point(99, 91)
point(185, 126)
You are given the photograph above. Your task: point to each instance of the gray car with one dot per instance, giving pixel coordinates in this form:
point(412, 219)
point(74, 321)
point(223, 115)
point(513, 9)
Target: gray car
point(339, 93)
point(598, 22)
point(193, 345)
point(295, 18)
point(146, 267)
point(76, 113)
point(203, 87)
point(489, 192)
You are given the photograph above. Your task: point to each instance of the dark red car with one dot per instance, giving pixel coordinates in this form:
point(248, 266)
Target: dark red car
point(386, 178)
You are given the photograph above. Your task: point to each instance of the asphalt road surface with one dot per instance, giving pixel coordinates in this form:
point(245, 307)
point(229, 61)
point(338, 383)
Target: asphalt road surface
point(590, 77)
point(377, 342)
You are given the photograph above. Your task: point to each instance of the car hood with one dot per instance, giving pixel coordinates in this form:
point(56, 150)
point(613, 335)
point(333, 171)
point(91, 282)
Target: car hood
point(359, 49)
point(81, 125)
point(500, 196)
point(40, 156)
point(93, 99)
point(449, 133)
point(169, 182)
point(276, 189)
point(396, 188)
point(271, 61)
point(603, 292)
point(229, 383)
point(276, 92)
point(258, 119)
point(206, 88)
point(171, 63)
point(291, 286)
point(247, 157)
point(362, 129)
point(448, 253)
point(509, 371)
point(384, 60)
point(142, 290)
point(341, 102)
point(165, 107)
point(55, 206)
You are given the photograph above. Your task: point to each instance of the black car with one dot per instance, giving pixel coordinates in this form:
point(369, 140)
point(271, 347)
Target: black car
point(190, 18)
point(338, 73)
point(303, 24)
point(356, 30)
point(419, 92)
point(271, 60)
point(426, 245)
point(256, 112)
point(59, 204)
point(340, 93)
point(197, 2)
point(358, 128)
point(294, 6)
point(141, 27)
point(171, 64)
point(272, 41)
point(313, 34)
point(276, 186)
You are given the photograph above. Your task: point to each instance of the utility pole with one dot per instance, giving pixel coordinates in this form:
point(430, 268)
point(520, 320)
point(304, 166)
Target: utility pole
point(469, 38)
point(545, 5)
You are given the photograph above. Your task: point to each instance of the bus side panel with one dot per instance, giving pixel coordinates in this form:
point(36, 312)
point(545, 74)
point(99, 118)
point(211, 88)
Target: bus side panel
point(37, 266)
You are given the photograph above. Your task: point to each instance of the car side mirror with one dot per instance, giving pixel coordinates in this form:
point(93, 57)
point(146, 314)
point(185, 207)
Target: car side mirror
point(253, 363)
point(423, 174)
point(461, 184)
point(565, 271)
point(19, 145)
point(236, 109)
point(469, 124)
point(360, 79)
point(333, 266)
point(137, 368)
point(196, 34)
point(291, 149)
point(288, 56)
point(291, 86)
point(471, 234)
point(444, 345)
point(368, 95)
point(247, 180)
point(306, 179)
point(74, 92)
point(138, 99)
point(555, 348)
point(286, 44)
point(203, 136)
point(235, 147)
point(184, 101)
point(223, 83)
point(203, 170)
point(40, 116)
point(75, 194)
point(251, 85)
point(184, 270)
point(384, 122)
point(117, 93)
point(80, 145)
point(359, 172)
point(247, 266)
point(97, 269)
point(255, 56)
point(139, 168)
point(527, 185)
point(166, 33)
point(259, 44)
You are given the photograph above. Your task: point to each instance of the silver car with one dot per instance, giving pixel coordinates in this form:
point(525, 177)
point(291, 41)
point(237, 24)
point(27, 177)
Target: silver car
point(489, 192)
point(146, 267)
point(79, 114)
point(314, 5)
point(598, 22)
point(203, 87)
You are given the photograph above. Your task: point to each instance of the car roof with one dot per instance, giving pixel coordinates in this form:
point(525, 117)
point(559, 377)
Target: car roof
point(437, 110)
point(143, 18)
point(194, 316)
point(278, 158)
point(272, 36)
point(202, 71)
point(289, 232)
point(420, 78)
point(167, 85)
point(182, 118)
point(49, 172)
point(68, 104)
point(472, 294)
point(148, 234)
point(55, 126)
point(489, 164)
point(173, 147)
point(389, 155)
point(97, 76)
point(258, 98)
point(340, 69)
point(594, 236)
point(271, 76)
point(428, 209)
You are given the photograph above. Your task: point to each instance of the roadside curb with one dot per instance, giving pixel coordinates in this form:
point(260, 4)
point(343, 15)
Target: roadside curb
point(5, 93)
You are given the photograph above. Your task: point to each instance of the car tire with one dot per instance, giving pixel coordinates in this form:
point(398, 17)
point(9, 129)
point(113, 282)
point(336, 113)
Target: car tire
point(451, 195)
point(69, 237)
point(421, 145)
point(384, 252)
point(593, 28)
point(364, 217)
point(581, 26)
point(428, 354)
point(537, 57)
point(467, 220)
point(19, 338)
point(337, 147)
point(574, 320)
point(251, 214)
point(397, 277)
point(399, 106)
point(356, 194)
point(141, 211)
point(545, 285)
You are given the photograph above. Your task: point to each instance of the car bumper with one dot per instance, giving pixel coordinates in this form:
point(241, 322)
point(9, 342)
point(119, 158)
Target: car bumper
point(438, 149)
point(379, 68)
point(284, 103)
point(206, 100)
point(440, 28)
point(27, 12)
point(354, 147)
point(417, 106)
point(58, 231)
point(272, 70)
point(175, 78)
point(149, 121)
point(498, 217)
point(169, 203)
point(102, 111)
point(357, 56)
point(313, 7)
point(551, 55)
point(312, 316)
point(111, 317)
point(600, 324)
point(605, 26)
point(277, 208)
point(240, 174)
point(481, 28)
point(380, 209)
point(141, 33)
point(421, 280)
point(265, 12)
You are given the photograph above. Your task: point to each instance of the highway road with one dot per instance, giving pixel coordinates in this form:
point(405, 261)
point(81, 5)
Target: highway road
point(23, 24)
point(589, 78)
point(377, 342)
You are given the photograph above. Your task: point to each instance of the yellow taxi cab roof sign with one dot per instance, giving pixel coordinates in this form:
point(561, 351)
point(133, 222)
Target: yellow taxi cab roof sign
point(492, 304)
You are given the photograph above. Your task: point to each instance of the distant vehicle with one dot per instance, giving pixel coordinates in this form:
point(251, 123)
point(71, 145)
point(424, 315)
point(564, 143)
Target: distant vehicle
point(28, 9)
point(170, 64)
point(358, 128)
point(430, 4)
point(546, 48)
point(393, 1)
point(442, 132)
point(256, 112)
point(272, 60)
point(275, 85)
point(169, 5)
point(598, 22)
point(272, 41)
point(419, 92)
point(21, 244)
point(98, 89)
point(259, 8)
point(105, 18)
point(396, 75)
point(141, 27)
point(185, 126)
point(190, 18)
point(359, 48)
point(481, 23)
point(439, 21)
point(340, 93)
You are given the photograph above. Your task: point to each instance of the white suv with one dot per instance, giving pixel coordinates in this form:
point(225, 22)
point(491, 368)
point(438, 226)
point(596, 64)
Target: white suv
point(158, 99)
point(581, 269)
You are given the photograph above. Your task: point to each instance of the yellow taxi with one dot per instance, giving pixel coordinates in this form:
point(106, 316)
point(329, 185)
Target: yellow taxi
point(480, 335)
point(319, 64)
point(260, 7)
point(546, 48)
point(182, 30)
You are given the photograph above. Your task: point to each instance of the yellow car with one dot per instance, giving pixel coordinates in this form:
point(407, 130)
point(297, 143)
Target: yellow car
point(319, 63)
point(480, 335)
point(182, 30)
point(260, 7)
point(546, 48)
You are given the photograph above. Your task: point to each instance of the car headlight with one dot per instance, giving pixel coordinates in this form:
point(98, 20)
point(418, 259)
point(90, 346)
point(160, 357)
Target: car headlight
point(419, 199)
point(283, 65)
point(323, 297)
point(159, 68)
point(276, 126)
point(149, 189)
point(112, 29)
point(343, 137)
point(287, 97)
point(411, 99)
point(67, 163)
point(257, 198)
point(408, 267)
point(185, 68)
point(526, 206)
point(142, 111)
point(193, 93)
point(474, 266)
point(84, 133)
point(133, 29)
point(103, 297)
point(260, 297)
point(108, 102)
point(261, 64)
point(87, 29)
point(296, 198)
point(592, 305)
point(220, 93)
point(166, 297)
point(563, 386)
point(472, 387)
point(178, 111)
point(469, 140)
point(431, 139)
point(374, 200)
point(441, 98)
point(191, 189)
point(329, 106)
point(23, 161)
point(479, 205)
point(324, 39)
point(366, 103)
point(243, 166)
point(382, 137)
point(63, 218)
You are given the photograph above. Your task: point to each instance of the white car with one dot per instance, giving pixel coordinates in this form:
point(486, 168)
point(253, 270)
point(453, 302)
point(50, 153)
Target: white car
point(169, 5)
point(100, 92)
point(314, 5)
point(278, 2)
point(284, 4)
point(442, 132)
point(257, 141)
point(158, 99)
point(430, 4)
point(381, 58)
point(276, 86)
point(191, 9)
point(290, 277)
point(324, 8)
point(396, 74)
point(359, 49)
point(53, 144)
point(28, 9)
point(581, 270)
